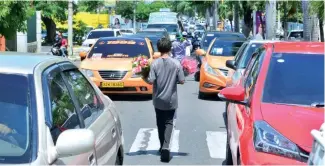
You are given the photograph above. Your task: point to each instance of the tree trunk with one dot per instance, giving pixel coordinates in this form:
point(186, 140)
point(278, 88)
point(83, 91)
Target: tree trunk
point(306, 19)
point(285, 30)
point(236, 16)
point(315, 36)
point(270, 8)
point(207, 16)
point(50, 28)
point(231, 26)
point(248, 20)
point(321, 30)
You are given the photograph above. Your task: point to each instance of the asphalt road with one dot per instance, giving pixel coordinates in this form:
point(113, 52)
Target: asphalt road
point(199, 137)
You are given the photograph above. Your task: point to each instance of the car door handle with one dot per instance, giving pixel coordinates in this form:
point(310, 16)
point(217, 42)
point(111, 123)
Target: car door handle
point(92, 160)
point(113, 131)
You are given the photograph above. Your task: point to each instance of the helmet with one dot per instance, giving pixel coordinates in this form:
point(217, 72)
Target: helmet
point(184, 34)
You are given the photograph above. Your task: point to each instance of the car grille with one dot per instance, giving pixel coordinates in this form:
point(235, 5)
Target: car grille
point(224, 71)
point(119, 89)
point(112, 75)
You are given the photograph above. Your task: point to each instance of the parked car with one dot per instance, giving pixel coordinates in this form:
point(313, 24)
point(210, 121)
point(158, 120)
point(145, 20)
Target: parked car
point(94, 35)
point(213, 72)
point(109, 65)
point(154, 31)
point(55, 114)
point(127, 31)
point(278, 101)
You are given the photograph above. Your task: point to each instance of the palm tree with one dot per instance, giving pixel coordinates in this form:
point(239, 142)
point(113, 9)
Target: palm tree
point(317, 8)
point(307, 20)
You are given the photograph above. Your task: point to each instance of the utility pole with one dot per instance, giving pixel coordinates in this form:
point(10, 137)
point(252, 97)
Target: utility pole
point(270, 19)
point(134, 13)
point(70, 33)
point(215, 14)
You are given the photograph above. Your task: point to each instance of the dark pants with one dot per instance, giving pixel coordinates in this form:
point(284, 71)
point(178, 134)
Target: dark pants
point(165, 124)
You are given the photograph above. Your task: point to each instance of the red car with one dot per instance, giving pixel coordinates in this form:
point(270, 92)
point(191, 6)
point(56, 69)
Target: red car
point(277, 103)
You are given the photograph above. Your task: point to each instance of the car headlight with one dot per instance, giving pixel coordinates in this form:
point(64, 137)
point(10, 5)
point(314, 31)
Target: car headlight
point(268, 140)
point(210, 70)
point(88, 73)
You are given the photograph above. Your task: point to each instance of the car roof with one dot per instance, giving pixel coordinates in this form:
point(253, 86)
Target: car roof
point(230, 39)
point(299, 47)
point(123, 38)
point(261, 41)
point(152, 29)
point(105, 29)
point(224, 32)
point(22, 63)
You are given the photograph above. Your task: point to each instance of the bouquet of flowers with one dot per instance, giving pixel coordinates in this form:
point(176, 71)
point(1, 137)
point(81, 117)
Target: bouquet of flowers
point(141, 66)
point(190, 65)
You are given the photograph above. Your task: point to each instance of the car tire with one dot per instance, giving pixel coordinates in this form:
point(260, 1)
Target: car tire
point(228, 160)
point(201, 96)
point(197, 76)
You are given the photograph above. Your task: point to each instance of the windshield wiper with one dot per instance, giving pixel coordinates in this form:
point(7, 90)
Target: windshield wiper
point(318, 104)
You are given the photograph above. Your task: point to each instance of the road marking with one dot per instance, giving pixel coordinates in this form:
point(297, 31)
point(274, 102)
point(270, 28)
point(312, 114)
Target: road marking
point(217, 141)
point(147, 141)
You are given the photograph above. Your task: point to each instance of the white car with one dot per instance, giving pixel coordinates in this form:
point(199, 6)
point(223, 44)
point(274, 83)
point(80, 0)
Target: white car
point(94, 35)
point(51, 114)
point(127, 32)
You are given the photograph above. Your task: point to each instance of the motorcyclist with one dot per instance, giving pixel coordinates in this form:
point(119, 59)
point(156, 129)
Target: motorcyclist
point(61, 43)
point(179, 46)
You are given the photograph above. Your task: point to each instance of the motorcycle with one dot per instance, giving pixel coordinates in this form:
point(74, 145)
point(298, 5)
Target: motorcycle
point(56, 51)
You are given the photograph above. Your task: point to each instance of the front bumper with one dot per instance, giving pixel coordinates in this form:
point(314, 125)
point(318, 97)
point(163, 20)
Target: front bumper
point(210, 83)
point(131, 85)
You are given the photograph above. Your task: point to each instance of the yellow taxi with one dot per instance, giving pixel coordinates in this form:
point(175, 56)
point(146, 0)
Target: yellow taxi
point(213, 72)
point(109, 64)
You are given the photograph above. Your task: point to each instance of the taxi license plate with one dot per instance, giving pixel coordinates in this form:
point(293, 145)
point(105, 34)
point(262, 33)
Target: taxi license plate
point(112, 84)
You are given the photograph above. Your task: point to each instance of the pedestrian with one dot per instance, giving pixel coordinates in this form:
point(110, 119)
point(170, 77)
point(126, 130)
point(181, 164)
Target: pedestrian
point(259, 35)
point(165, 74)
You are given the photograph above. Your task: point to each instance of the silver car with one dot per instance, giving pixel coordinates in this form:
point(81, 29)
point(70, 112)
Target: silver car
point(51, 114)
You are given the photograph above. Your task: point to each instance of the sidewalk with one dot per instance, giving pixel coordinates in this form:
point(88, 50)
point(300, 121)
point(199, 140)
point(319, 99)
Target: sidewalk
point(74, 57)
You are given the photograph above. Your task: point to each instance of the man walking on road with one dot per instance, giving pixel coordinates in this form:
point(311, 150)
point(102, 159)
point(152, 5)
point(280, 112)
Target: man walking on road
point(165, 73)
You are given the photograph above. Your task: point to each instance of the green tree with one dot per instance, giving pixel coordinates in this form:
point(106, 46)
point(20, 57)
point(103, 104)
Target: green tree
point(125, 9)
point(317, 7)
point(13, 17)
point(89, 6)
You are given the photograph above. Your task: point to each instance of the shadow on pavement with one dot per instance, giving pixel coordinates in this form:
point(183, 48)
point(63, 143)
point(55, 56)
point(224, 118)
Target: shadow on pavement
point(130, 97)
point(225, 119)
point(155, 152)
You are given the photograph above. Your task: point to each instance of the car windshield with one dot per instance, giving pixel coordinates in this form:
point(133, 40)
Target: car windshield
point(248, 54)
point(199, 27)
point(15, 133)
point(160, 33)
point(119, 48)
point(171, 28)
point(99, 34)
point(295, 79)
point(210, 36)
point(225, 47)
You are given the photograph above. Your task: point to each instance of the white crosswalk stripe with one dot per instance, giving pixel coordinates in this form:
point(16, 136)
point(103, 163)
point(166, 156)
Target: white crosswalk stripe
point(147, 141)
point(217, 144)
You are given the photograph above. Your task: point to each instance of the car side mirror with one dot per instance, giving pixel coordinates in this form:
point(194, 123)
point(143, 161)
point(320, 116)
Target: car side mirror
point(200, 52)
point(231, 64)
point(83, 55)
point(75, 142)
point(233, 94)
point(156, 55)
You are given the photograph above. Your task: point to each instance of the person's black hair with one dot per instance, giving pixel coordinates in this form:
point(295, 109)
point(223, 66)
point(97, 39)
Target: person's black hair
point(164, 45)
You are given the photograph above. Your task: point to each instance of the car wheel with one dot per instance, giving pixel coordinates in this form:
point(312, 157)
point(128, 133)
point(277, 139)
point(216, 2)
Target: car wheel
point(197, 76)
point(201, 96)
point(228, 153)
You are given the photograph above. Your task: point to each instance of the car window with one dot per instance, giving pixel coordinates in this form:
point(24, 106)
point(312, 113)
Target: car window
point(250, 82)
point(295, 78)
point(15, 118)
point(225, 47)
point(63, 110)
point(240, 52)
point(171, 28)
point(118, 33)
point(246, 56)
point(119, 48)
point(91, 106)
point(99, 34)
point(210, 36)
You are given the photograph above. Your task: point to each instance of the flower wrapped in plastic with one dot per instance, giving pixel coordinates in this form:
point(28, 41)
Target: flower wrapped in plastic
point(190, 65)
point(141, 66)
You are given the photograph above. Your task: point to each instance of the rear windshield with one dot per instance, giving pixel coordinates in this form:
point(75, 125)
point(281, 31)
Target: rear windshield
point(297, 35)
point(199, 27)
point(171, 28)
point(225, 48)
point(210, 36)
point(247, 55)
point(151, 32)
point(119, 49)
point(99, 34)
point(295, 79)
point(15, 118)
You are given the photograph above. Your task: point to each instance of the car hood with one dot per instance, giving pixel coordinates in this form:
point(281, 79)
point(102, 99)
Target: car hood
point(218, 61)
point(294, 122)
point(107, 64)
